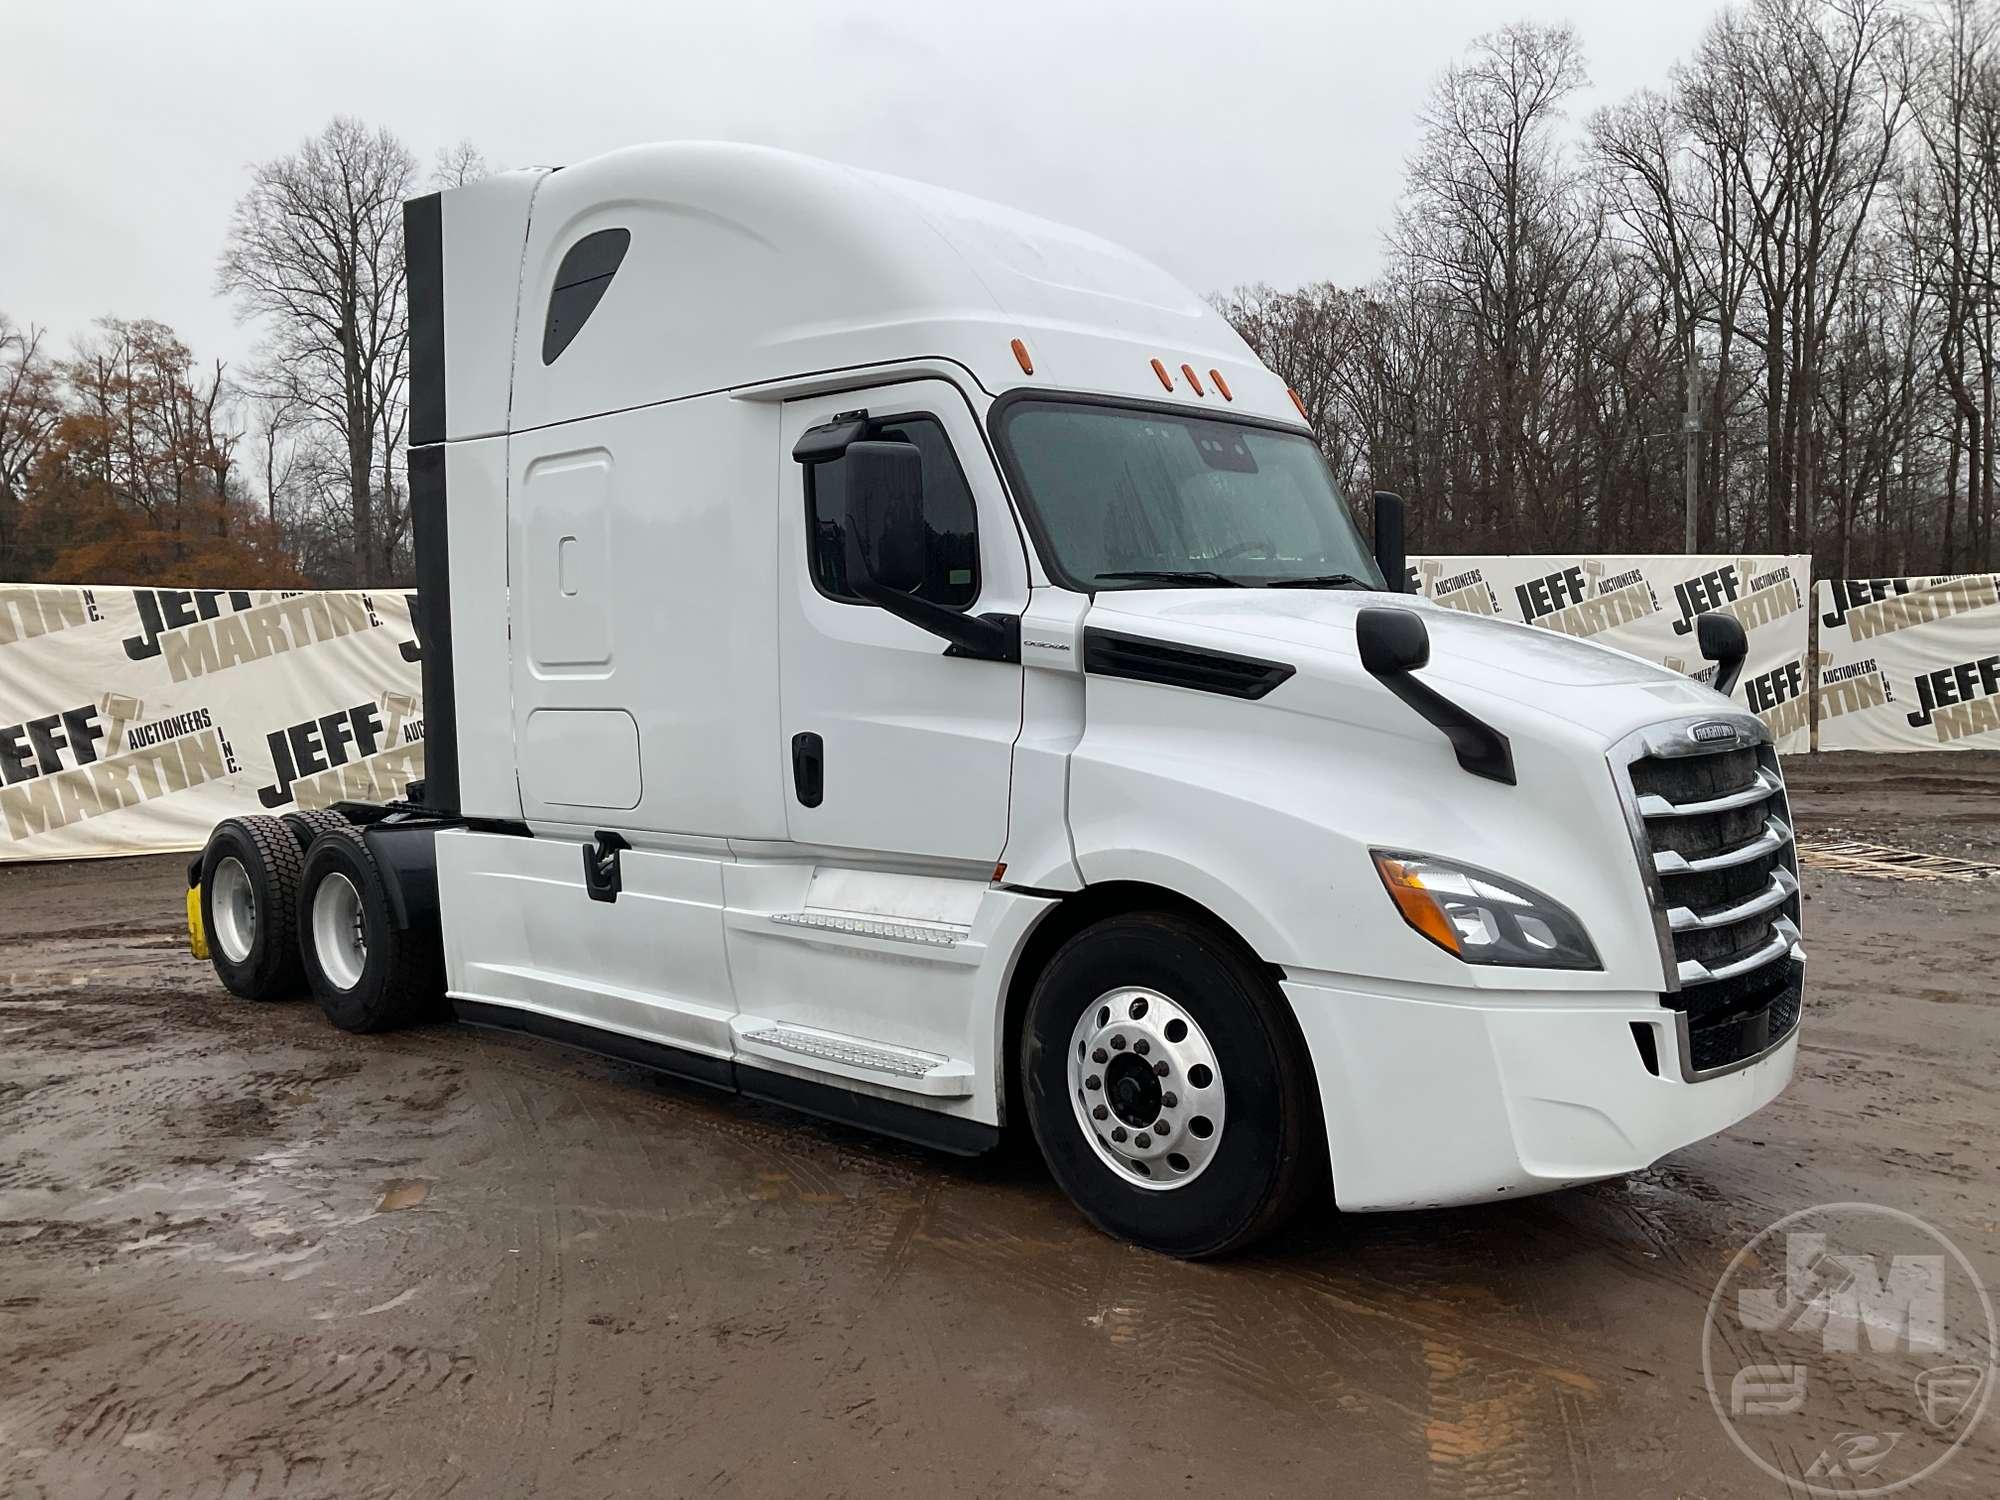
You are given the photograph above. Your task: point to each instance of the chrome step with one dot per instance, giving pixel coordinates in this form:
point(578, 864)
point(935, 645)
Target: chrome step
point(929, 935)
point(880, 1062)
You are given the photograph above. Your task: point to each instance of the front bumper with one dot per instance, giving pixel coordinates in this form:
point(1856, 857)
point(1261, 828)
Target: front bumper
point(1443, 1097)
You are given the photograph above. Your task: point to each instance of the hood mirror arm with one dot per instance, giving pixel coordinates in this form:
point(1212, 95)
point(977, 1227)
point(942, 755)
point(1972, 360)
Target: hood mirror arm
point(1394, 643)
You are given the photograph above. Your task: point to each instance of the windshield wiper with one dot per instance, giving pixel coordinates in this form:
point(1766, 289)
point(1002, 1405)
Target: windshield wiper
point(1195, 579)
point(1321, 581)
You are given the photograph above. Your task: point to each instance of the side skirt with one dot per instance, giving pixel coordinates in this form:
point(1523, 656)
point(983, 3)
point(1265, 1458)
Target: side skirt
point(903, 1122)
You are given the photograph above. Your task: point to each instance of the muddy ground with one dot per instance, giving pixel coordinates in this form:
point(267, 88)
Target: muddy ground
point(242, 1253)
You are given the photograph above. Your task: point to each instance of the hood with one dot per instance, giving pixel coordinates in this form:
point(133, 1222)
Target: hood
point(1592, 686)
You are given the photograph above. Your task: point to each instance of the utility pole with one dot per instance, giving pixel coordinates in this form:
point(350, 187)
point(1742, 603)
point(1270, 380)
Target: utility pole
point(1691, 432)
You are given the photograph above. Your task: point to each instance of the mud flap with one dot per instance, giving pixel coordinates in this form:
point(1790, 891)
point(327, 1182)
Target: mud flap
point(197, 937)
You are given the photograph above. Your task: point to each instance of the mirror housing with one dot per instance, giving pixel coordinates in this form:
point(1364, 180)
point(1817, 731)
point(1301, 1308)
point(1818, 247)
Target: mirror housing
point(884, 524)
point(1392, 641)
point(1389, 555)
point(1723, 641)
point(885, 546)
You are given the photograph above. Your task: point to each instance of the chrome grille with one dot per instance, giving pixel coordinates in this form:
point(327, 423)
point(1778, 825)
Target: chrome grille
point(1713, 832)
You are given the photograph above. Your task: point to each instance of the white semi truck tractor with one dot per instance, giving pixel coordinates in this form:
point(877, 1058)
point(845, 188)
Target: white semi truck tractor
point(909, 660)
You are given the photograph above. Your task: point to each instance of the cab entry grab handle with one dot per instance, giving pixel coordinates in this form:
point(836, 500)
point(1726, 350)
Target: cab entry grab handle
point(602, 877)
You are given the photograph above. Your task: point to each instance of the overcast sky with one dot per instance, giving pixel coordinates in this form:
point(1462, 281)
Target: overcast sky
point(1230, 140)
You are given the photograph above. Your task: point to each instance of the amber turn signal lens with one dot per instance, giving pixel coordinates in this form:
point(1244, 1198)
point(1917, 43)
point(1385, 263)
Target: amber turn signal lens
point(1418, 906)
point(1021, 358)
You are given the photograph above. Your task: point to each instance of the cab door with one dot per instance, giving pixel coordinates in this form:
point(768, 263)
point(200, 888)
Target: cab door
point(895, 750)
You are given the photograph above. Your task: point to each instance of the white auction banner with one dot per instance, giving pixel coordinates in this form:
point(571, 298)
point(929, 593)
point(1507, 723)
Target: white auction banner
point(132, 721)
point(1909, 663)
point(1647, 604)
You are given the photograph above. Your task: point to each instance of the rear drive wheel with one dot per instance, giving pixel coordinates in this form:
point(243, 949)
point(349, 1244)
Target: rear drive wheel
point(366, 973)
point(1168, 1086)
point(249, 891)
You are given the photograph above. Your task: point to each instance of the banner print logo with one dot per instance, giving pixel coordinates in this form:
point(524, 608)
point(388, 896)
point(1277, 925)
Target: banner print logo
point(31, 610)
point(198, 637)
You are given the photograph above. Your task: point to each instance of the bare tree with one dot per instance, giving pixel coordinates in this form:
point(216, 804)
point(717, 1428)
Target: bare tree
point(1489, 223)
point(455, 166)
point(315, 251)
point(30, 408)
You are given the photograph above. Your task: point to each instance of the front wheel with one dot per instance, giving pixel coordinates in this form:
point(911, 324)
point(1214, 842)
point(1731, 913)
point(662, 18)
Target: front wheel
point(1168, 1086)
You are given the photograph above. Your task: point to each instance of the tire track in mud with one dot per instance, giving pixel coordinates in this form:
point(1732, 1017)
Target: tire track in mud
point(221, 1402)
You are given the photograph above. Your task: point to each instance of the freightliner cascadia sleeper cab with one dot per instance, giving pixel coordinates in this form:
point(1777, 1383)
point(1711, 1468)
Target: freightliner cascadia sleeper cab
point(906, 659)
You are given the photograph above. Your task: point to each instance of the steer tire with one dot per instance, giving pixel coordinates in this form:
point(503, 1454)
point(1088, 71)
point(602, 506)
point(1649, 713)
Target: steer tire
point(392, 977)
point(254, 945)
point(309, 824)
point(1236, 1099)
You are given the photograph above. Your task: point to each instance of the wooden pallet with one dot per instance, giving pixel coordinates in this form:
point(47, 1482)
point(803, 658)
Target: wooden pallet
point(1882, 862)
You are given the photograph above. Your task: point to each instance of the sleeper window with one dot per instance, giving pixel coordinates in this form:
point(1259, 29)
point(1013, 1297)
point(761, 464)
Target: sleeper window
point(581, 282)
point(951, 550)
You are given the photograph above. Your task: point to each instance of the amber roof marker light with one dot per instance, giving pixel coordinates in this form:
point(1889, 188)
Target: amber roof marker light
point(1193, 380)
point(1300, 405)
point(1221, 384)
point(1022, 359)
point(1161, 371)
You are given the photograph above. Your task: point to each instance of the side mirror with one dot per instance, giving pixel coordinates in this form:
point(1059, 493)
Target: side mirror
point(1392, 641)
point(886, 547)
point(1722, 641)
point(1395, 642)
point(884, 524)
point(1389, 542)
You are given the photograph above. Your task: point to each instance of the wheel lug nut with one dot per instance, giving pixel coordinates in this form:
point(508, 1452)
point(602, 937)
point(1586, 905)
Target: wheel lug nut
point(1163, 1127)
point(1118, 1133)
point(1142, 1046)
point(1160, 1067)
point(1100, 1056)
point(1118, 1042)
point(1170, 1100)
point(1093, 1082)
point(1142, 1140)
point(1100, 1113)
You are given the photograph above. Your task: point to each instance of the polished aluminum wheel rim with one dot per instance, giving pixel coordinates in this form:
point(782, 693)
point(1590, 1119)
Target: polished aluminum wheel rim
point(339, 939)
point(1146, 1088)
point(232, 907)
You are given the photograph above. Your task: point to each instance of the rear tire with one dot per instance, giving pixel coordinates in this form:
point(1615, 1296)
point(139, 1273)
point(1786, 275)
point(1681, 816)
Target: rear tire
point(311, 823)
point(366, 973)
point(249, 898)
point(1200, 1134)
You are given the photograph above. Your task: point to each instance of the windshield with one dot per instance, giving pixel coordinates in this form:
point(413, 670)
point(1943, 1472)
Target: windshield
point(1133, 498)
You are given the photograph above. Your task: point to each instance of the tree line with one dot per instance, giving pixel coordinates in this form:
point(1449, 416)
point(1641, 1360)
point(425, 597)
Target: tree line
point(1801, 227)
point(124, 461)
point(1778, 273)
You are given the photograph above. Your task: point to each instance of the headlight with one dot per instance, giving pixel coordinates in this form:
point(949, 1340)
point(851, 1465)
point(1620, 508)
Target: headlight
point(1481, 918)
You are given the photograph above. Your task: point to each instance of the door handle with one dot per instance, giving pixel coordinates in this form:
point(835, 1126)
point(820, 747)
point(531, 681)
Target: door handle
point(808, 769)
